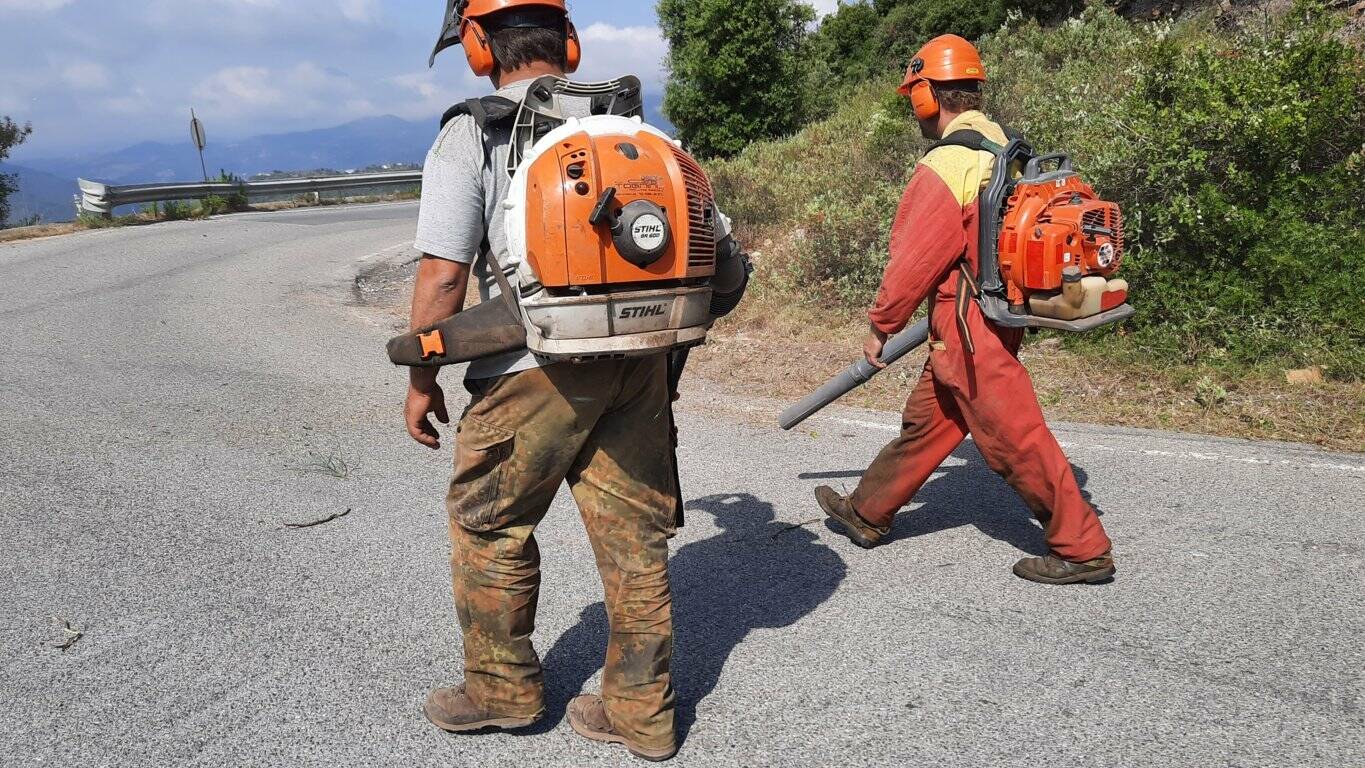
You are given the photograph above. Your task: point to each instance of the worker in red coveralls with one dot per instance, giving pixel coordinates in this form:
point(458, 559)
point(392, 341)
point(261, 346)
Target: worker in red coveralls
point(973, 382)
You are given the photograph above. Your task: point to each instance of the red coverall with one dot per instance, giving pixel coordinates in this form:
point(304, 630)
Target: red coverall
point(987, 394)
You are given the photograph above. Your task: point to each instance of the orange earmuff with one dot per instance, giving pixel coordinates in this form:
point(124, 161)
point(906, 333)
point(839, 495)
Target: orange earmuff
point(479, 50)
point(573, 48)
point(924, 100)
point(477, 47)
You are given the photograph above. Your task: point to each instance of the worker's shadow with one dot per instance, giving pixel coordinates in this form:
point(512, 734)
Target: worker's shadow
point(967, 494)
point(756, 573)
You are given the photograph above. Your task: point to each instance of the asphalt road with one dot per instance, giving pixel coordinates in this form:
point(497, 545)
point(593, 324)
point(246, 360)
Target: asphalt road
point(171, 396)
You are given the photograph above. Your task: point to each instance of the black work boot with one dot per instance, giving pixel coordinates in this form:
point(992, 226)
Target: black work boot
point(588, 718)
point(1055, 570)
point(451, 709)
point(860, 531)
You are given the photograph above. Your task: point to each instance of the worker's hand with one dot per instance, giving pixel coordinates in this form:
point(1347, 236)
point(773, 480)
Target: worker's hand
point(872, 349)
point(425, 397)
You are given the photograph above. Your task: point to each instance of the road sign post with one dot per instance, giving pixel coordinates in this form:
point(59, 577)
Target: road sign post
point(200, 141)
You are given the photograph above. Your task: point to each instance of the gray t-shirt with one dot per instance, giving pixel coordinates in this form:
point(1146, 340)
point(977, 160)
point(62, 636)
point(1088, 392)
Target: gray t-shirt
point(464, 184)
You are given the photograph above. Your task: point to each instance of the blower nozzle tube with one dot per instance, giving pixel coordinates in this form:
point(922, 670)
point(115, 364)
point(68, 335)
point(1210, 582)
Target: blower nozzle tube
point(855, 376)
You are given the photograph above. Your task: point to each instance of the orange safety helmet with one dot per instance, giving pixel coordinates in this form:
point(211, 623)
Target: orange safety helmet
point(464, 26)
point(943, 59)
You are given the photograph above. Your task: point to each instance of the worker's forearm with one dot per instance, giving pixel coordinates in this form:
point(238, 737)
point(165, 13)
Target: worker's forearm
point(438, 293)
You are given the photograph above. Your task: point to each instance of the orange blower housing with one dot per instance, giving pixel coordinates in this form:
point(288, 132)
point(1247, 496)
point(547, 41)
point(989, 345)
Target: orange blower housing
point(613, 230)
point(1049, 246)
point(618, 209)
point(1052, 225)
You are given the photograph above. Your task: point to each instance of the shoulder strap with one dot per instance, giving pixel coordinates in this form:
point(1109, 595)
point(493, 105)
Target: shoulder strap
point(487, 112)
point(968, 139)
point(972, 139)
point(504, 285)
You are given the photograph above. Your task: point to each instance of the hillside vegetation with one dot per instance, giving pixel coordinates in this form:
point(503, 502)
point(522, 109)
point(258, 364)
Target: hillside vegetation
point(1236, 147)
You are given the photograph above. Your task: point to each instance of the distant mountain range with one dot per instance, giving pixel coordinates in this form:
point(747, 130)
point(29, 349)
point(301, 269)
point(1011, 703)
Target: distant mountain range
point(40, 194)
point(46, 185)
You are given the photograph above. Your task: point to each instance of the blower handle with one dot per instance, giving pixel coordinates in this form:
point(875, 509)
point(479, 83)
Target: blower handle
point(1034, 168)
point(855, 376)
point(603, 213)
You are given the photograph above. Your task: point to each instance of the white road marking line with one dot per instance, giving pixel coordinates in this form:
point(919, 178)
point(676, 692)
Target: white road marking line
point(1156, 453)
point(1216, 457)
point(868, 424)
point(390, 249)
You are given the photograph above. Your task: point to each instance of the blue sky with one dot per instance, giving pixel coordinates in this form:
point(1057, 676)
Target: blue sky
point(99, 74)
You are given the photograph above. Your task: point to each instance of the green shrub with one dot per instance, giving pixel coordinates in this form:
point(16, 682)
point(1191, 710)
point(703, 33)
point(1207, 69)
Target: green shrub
point(735, 70)
point(213, 205)
point(173, 210)
point(237, 200)
point(1237, 158)
point(1247, 187)
point(831, 192)
point(863, 40)
point(1236, 154)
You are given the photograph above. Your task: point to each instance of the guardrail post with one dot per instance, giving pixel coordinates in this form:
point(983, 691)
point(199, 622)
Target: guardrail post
point(95, 198)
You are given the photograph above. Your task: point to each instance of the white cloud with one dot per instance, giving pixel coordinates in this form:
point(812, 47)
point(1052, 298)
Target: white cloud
point(419, 95)
point(34, 6)
point(239, 96)
point(240, 89)
point(823, 7)
point(249, 66)
point(134, 103)
point(85, 76)
point(362, 11)
point(610, 52)
point(264, 22)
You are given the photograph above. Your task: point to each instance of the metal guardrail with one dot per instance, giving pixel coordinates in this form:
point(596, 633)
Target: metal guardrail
point(102, 199)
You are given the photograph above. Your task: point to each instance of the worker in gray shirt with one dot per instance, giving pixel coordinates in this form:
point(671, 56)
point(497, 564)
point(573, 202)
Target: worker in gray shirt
point(601, 425)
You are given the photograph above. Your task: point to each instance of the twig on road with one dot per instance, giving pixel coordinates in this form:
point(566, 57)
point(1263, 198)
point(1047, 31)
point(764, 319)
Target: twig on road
point(333, 465)
point(73, 635)
point(315, 523)
point(794, 526)
point(757, 535)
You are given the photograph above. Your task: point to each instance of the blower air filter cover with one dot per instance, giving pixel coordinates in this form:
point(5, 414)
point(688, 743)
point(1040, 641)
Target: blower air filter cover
point(643, 233)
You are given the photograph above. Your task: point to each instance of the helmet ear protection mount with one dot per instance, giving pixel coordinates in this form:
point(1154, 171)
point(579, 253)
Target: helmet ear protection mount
point(478, 47)
point(924, 100)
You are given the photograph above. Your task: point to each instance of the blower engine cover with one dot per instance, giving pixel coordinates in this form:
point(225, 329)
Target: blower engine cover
point(1059, 245)
point(612, 229)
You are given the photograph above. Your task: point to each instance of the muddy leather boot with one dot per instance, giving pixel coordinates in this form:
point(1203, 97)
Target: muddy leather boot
point(451, 709)
point(1054, 570)
point(588, 718)
point(860, 531)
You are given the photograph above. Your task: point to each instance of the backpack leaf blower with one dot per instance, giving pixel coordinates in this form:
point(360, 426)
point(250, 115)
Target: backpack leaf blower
point(1049, 247)
point(614, 240)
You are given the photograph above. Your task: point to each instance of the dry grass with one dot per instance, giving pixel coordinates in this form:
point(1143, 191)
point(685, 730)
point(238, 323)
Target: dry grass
point(307, 201)
point(41, 230)
point(776, 348)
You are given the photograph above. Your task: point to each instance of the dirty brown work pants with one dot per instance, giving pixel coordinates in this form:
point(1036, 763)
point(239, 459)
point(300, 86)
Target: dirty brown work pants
point(604, 427)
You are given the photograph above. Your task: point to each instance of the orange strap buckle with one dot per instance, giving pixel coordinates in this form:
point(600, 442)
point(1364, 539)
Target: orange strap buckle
point(433, 345)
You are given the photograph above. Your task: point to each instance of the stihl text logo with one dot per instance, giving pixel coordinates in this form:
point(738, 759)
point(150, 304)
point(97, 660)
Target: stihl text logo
point(648, 233)
point(639, 313)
